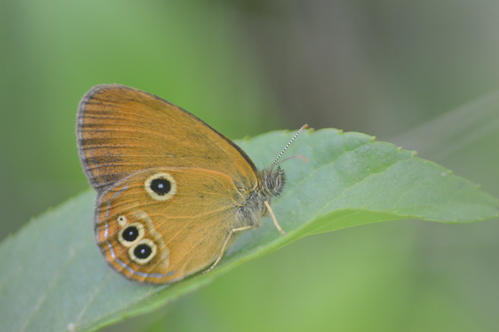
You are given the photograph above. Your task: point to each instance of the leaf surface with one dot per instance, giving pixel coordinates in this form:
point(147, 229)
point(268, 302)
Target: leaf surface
point(53, 278)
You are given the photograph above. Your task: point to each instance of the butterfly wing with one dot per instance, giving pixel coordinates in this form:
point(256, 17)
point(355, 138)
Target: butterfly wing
point(160, 225)
point(121, 130)
point(170, 188)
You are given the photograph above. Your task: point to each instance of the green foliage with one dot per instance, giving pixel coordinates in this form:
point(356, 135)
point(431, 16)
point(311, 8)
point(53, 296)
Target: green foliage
point(384, 68)
point(53, 277)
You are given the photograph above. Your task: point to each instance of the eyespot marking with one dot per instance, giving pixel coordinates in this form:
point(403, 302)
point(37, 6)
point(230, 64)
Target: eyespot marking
point(110, 249)
point(143, 251)
point(122, 220)
point(131, 234)
point(161, 186)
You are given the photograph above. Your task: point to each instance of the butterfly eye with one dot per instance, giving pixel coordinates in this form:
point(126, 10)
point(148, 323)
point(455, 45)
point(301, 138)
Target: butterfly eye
point(161, 186)
point(130, 234)
point(142, 252)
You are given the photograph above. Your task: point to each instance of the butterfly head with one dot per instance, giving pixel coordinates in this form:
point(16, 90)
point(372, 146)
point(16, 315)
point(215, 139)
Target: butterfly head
point(272, 182)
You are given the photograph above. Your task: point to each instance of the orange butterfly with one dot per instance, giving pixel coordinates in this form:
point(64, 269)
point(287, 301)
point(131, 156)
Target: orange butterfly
point(173, 193)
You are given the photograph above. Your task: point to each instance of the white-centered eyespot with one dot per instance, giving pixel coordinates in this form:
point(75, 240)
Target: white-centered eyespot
point(143, 251)
point(161, 186)
point(131, 234)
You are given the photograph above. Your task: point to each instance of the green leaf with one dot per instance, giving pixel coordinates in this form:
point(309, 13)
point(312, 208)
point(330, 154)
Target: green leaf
point(53, 278)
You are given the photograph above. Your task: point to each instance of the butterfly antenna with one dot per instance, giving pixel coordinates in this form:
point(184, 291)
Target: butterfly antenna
point(287, 145)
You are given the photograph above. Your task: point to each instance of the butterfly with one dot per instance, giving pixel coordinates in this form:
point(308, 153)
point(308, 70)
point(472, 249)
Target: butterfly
point(172, 192)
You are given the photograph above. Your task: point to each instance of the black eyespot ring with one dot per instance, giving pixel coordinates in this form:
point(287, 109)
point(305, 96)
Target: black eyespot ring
point(142, 251)
point(130, 234)
point(161, 186)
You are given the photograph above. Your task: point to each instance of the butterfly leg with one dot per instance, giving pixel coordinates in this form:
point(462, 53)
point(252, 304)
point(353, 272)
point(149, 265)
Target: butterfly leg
point(232, 231)
point(279, 228)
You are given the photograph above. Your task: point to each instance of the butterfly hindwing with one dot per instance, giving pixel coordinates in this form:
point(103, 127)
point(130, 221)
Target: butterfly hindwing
point(160, 225)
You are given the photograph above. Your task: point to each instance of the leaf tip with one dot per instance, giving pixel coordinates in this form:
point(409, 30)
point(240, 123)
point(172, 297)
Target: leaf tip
point(413, 153)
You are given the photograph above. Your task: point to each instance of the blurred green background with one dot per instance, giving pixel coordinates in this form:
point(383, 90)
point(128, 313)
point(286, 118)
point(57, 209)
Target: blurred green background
point(385, 68)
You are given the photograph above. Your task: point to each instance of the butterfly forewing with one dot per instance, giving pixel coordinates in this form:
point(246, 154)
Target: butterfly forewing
point(122, 130)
